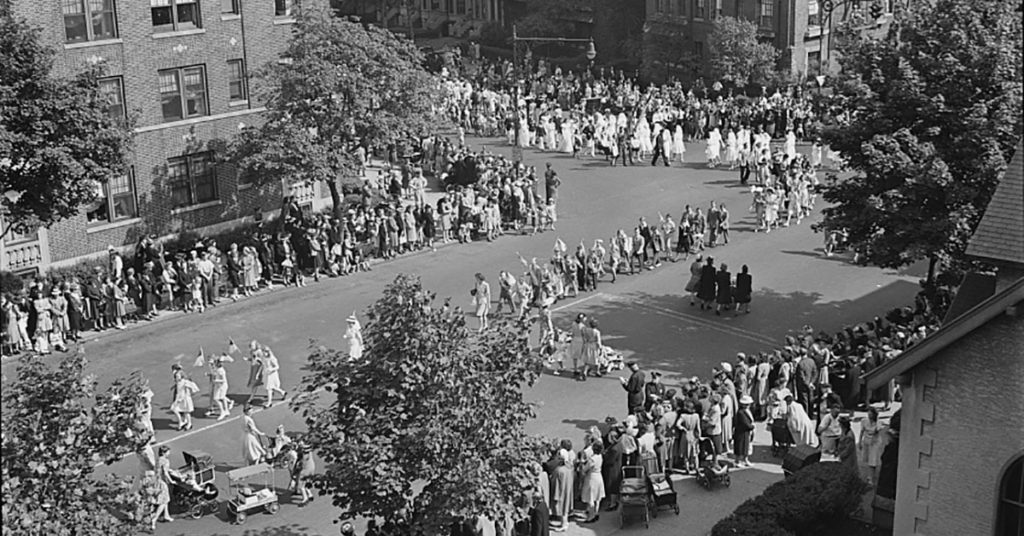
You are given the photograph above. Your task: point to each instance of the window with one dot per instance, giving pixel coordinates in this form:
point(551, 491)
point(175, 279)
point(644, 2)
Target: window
point(1010, 511)
point(178, 104)
point(283, 8)
point(701, 9)
point(236, 81)
point(175, 15)
point(718, 9)
point(767, 13)
point(228, 7)
point(698, 49)
point(116, 201)
point(813, 14)
point(460, 7)
point(113, 96)
point(88, 20)
point(192, 180)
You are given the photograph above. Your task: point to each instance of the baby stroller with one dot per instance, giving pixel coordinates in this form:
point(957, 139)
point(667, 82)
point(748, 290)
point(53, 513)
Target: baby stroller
point(710, 471)
point(634, 495)
point(612, 359)
point(662, 492)
point(782, 438)
point(192, 487)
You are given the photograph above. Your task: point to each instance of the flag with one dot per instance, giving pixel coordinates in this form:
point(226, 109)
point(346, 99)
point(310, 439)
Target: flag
point(232, 347)
point(200, 359)
point(227, 358)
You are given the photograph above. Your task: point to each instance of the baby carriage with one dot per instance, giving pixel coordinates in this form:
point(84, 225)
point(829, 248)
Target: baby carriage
point(612, 359)
point(634, 495)
point(192, 487)
point(782, 438)
point(662, 492)
point(710, 471)
point(555, 348)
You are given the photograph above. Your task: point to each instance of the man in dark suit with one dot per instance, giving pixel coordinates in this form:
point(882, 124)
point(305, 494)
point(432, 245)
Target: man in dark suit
point(708, 282)
point(806, 377)
point(634, 389)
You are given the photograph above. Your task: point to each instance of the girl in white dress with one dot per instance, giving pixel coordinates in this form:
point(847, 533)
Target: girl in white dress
point(678, 147)
point(182, 405)
point(790, 146)
point(271, 375)
point(732, 151)
point(714, 148)
point(643, 132)
point(568, 137)
point(354, 335)
point(252, 448)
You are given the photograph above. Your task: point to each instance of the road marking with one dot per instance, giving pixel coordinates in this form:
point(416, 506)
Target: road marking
point(579, 301)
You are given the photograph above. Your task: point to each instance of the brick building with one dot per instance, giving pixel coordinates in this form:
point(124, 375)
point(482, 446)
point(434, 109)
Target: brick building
point(177, 70)
point(961, 446)
point(799, 29)
point(455, 18)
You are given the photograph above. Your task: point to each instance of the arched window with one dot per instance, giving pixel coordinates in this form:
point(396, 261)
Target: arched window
point(1010, 512)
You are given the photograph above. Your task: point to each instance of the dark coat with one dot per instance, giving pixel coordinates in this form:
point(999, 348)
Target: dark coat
point(540, 517)
point(706, 290)
point(724, 281)
point(635, 390)
point(743, 288)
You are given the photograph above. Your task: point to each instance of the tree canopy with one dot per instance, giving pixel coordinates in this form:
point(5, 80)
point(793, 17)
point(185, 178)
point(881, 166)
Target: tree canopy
point(56, 428)
point(338, 82)
point(735, 54)
point(58, 145)
point(935, 112)
point(428, 427)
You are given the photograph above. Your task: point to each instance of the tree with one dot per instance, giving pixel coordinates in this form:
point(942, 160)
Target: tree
point(340, 82)
point(935, 111)
point(57, 143)
point(736, 56)
point(668, 53)
point(56, 427)
point(428, 427)
point(615, 26)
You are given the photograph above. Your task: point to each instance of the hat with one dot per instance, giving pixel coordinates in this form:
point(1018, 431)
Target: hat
point(352, 318)
point(111, 248)
point(726, 367)
point(655, 374)
point(55, 290)
point(631, 363)
point(742, 356)
point(746, 400)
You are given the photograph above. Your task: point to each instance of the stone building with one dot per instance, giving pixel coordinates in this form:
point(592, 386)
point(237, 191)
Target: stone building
point(178, 71)
point(961, 441)
point(800, 29)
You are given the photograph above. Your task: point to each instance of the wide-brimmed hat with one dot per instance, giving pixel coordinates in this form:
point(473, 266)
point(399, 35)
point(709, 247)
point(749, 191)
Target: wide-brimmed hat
point(746, 400)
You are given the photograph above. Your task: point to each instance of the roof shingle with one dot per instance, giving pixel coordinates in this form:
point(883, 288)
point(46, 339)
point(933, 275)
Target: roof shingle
point(1000, 234)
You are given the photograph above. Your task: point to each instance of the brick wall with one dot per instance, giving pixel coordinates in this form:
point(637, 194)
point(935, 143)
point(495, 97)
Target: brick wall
point(138, 54)
point(963, 422)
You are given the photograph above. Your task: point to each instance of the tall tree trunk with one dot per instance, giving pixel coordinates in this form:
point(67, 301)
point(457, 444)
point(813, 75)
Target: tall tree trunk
point(332, 185)
point(933, 261)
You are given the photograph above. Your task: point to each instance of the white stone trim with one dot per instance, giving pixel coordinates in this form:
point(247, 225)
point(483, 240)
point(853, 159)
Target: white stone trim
point(113, 225)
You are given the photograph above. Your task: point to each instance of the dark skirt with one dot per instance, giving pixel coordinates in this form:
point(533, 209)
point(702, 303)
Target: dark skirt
point(741, 443)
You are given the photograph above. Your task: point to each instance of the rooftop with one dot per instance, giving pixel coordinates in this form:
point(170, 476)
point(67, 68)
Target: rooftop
point(1000, 235)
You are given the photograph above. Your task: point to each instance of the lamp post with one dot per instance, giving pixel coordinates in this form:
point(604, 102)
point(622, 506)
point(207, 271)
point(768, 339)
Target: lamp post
point(517, 151)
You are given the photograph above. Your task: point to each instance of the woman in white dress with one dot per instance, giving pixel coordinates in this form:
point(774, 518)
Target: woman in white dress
point(643, 133)
point(354, 335)
point(550, 134)
point(252, 448)
point(678, 147)
point(271, 375)
point(714, 147)
point(568, 135)
point(732, 150)
point(790, 146)
point(592, 490)
point(576, 343)
point(524, 131)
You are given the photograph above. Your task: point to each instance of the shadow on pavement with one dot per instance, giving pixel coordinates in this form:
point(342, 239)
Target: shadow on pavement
point(286, 530)
point(582, 424)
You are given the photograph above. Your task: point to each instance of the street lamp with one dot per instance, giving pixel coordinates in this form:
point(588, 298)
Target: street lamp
point(591, 53)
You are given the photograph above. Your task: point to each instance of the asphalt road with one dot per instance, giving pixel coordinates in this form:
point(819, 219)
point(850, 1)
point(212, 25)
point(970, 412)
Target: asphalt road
point(646, 316)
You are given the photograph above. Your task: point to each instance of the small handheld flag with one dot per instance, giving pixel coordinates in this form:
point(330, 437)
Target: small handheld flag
point(200, 359)
point(227, 358)
point(232, 347)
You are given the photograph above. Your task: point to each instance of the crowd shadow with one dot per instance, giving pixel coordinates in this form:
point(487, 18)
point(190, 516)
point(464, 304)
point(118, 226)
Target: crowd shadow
point(664, 332)
point(292, 529)
point(582, 424)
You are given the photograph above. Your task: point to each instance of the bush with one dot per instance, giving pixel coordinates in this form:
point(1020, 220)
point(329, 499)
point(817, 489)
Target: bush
point(10, 283)
point(806, 503)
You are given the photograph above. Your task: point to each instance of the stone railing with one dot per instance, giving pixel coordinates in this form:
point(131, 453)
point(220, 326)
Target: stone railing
point(23, 256)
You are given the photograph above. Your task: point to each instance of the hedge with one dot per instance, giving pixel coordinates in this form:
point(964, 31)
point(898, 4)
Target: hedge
point(10, 283)
point(806, 503)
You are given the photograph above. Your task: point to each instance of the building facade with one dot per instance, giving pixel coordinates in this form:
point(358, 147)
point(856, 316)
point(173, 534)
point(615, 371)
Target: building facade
point(441, 18)
point(800, 29)
point(177, 72)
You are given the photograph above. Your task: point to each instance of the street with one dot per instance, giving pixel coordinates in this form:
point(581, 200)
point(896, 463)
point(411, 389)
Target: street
point(647, 316)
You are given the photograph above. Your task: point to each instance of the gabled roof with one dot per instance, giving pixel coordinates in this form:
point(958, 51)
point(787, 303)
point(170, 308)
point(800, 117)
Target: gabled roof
point(1000, 235)
point(948, 334)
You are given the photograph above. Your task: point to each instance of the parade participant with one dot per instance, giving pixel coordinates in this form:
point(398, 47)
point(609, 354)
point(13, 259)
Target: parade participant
point(708, 281)
point(219, 379)
point(302, 471)
point(482, 299)
point(252, 449)
point(182, 391)
point(255, 360)
point(354, 336)
point(271, 375)
point(576, 344)
point(693, 285)
point(163, 476)
point(723, 297)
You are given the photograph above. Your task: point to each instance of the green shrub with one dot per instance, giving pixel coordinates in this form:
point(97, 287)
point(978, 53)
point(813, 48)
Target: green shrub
point(806, 503)
point(10, 283)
